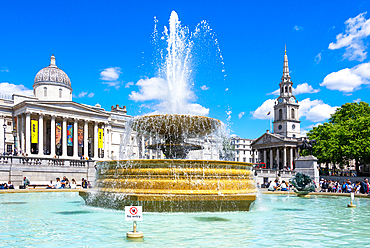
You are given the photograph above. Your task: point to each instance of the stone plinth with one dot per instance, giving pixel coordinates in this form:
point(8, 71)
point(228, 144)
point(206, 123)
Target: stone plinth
point(308, 166)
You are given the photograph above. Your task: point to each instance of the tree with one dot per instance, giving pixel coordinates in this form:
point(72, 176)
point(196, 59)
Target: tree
point(345, 137)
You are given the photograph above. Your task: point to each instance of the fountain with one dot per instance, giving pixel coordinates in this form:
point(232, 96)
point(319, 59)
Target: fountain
point(175, 183)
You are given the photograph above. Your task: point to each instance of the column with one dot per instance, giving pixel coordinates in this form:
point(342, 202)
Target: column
point(271, 159)
point(278, 157)
point(105, 137)
point(151, 151)
point(17, 146)
point(264, 156)
point(284, 158)
point(52, 136)
point(86, 137)
point(95, 137)
point(75, 139)
point(291, 158)
point(64, 138)
point(28, 134)
point(21, 134)
point(41, 135)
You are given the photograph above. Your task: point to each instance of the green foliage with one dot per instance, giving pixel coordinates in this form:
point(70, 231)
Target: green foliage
point(345, 137)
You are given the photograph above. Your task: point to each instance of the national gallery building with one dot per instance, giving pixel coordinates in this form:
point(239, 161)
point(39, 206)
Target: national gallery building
point(50, 124)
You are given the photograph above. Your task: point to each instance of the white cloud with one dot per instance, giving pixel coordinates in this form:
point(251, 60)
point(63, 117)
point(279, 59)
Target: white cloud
point(115, 84)
point(300, 89)
point(304, 88)
point(357, 29)
point(226, 89)
point(297, 28)
point(129, 84)
point(318, 58)
point(240, 115)
point(315, 110)
point(4, 69)
point(204, 87)
point(357, 100)
point(304, 130)
point(110, 74)
point(261, 111)
point(348, 80)
point(90, 95)
point(82, 94)
point(150, 89)
point(10, 89)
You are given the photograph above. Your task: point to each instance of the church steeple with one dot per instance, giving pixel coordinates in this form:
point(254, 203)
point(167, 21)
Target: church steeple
point(286, 67)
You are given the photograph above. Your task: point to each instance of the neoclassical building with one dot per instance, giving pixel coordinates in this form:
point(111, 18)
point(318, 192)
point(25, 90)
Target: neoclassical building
point(50, 123)
point(280, 148)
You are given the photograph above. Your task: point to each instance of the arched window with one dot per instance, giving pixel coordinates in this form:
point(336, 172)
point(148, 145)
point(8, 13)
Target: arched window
point(280, 114)
point(285, 89)
point(60, 93)
point(281, 90)
point(45, 92)
point(290, 89)
point(293, 114)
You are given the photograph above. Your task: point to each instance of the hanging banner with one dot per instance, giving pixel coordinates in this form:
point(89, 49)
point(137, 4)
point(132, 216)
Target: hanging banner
point(34, 132)
point(69, 135)
point(80, 136)
point(100, 138)
point(58, 133)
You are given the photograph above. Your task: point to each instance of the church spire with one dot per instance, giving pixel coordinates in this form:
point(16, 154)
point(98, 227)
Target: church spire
point(286, 67)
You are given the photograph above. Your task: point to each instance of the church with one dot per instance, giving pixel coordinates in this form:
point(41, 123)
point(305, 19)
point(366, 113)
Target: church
point(279, 149)
point(50, 124)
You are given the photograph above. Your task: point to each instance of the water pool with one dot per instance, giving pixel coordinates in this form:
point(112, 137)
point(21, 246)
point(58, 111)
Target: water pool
point(63, 219)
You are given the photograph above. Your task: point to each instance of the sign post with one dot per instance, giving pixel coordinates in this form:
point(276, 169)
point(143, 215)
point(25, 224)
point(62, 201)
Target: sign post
point(134, 214)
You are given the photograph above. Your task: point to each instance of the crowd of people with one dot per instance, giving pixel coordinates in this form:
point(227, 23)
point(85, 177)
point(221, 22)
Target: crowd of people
point(324, 186)
point(346, 187)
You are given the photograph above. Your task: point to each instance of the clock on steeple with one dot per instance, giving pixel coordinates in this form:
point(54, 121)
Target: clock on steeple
point(286, 120)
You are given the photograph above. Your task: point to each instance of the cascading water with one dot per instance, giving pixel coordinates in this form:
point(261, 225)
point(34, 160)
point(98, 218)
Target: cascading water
point(187, 174)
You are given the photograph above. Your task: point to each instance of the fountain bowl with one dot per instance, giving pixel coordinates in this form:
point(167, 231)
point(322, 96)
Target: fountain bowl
point(173, 185)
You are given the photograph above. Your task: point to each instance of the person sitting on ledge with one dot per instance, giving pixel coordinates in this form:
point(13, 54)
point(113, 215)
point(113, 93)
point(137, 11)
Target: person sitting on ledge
point(50, 185)
point(26, 182)
point(283, 186)
point(58, 184)
point(10, 185)
point(273, 185)
point(73, 184)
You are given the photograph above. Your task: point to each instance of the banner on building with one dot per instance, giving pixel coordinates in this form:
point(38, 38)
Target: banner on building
point(69, 135)
point(58, 133)
point(34, 132)
point(100, 138)
point(80, 136)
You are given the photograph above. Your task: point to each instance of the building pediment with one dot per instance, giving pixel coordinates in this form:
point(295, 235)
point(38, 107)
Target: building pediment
point(267, 138)
point(56, 108)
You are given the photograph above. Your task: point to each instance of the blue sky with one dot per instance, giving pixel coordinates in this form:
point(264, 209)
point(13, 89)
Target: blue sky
point(105, 48)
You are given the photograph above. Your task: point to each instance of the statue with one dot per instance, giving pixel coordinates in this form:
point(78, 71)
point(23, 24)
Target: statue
point(307, 145)
point(303, 184)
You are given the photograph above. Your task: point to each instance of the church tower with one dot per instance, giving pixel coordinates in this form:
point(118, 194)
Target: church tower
point(286, 120)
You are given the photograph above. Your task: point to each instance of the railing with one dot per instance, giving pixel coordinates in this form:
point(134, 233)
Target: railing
point(9, 160)
point(276, 172)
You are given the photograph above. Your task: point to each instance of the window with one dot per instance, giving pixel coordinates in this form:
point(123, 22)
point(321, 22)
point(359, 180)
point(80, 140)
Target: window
point(237, 146)
point(280, 114)
point(285, 89)
point(237, 152)
point(9, 148)
point(244, 160)
point(237, 141)
point(281, 90)
point(244, 152)
point(293, 135)
point(293, 114)
point(290, 89)
point(9, 123)
point(60, 93)
point(237, 159)
point(243, 146)
point(45, 92)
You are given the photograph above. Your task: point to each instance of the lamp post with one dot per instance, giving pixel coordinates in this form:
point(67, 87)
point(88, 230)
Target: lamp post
point(15, 141)
point(4, 126)
point(90, 140)
point(58, 149)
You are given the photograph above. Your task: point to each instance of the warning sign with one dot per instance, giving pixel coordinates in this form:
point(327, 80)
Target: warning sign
point(133, 213)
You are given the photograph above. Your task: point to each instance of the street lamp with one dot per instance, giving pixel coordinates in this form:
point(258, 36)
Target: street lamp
point(90, 140)
point(58, 149)
point(4, 126)
point(15, 140)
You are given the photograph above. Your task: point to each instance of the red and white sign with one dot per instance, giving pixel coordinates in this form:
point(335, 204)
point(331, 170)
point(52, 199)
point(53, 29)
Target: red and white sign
point(133, 213)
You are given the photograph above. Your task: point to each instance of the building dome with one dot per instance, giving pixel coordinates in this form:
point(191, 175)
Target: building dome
point(52, 74)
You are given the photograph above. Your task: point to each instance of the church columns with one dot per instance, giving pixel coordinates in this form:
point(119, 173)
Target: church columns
point(284, 158)
point(28, 134)
point(41, 134)
point(75, 139)
point(291, 158)
point(271, 159)
point(64, 138)
point(264, 156)
point(105, 137)
point(52, 136)
point(278, 158)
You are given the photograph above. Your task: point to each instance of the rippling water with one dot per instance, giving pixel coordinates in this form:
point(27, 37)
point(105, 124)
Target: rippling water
point(63, 219)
